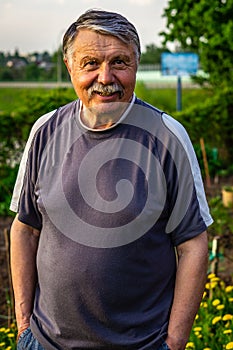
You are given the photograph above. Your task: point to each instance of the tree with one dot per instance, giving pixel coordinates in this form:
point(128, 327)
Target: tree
point(204, 27)
point(152, 54)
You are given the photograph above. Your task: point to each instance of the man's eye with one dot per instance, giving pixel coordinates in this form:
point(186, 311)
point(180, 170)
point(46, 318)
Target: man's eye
point(90, 64)
point(119, 61)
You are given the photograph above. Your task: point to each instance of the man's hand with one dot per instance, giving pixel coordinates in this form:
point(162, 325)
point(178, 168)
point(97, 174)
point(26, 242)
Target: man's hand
point(22, 328)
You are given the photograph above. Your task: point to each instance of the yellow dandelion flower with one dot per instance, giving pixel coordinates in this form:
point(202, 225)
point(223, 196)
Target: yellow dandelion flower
point(211, 285)
point(216, 319)
point(190, 345)
point(211, 275)
point(227, 317)
point(196, 317)
point(229, 289)
point(204, 305)
point(9, 348)
point(197, 329)
point(10, 335)
point(215, 279)
point(7, 330)
point(229, 346)
point(230, 300)
point(207, 349)
point(220, 307)
point(196, 334)
point(216, 302)
point(2, 329)
point(227, 331)
point(2, 344)
point(204, 295)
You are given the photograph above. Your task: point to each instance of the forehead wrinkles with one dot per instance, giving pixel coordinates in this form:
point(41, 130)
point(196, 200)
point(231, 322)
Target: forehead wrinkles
point(96, 49)
point(91, 43)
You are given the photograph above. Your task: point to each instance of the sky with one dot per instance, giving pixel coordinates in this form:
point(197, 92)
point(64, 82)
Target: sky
point(38, 25)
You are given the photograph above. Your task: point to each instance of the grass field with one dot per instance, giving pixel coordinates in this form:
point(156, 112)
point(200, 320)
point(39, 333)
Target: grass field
point(165, 98)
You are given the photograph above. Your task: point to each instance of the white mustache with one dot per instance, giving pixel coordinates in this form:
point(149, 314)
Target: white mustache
point(105, 90)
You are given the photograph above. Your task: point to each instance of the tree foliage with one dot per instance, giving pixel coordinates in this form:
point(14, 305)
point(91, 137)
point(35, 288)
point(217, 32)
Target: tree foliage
point(152, 55)
point(33, 67)
point(204, 27)
point(211, 118)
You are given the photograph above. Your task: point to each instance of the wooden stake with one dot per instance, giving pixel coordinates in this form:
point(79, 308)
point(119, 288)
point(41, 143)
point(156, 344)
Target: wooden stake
point(206, 167)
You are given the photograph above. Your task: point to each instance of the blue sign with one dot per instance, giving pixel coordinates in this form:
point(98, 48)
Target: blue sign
point(179, 64)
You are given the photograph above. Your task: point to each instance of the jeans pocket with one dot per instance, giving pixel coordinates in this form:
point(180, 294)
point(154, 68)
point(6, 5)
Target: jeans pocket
point(22, 336)
point(24, 333)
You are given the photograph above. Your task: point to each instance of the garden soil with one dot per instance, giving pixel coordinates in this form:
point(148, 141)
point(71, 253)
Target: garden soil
point(225, 265)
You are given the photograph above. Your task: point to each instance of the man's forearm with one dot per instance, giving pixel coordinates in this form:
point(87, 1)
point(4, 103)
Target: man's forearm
point(190, 282)
point(24, 243)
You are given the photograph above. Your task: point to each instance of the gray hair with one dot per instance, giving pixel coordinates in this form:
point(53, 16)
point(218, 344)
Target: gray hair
point(103, 22)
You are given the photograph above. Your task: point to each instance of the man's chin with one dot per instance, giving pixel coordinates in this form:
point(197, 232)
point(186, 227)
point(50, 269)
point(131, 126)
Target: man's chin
point(113, 109)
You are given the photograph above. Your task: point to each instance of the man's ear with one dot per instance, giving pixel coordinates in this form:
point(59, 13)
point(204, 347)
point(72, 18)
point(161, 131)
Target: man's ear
point(68, 66)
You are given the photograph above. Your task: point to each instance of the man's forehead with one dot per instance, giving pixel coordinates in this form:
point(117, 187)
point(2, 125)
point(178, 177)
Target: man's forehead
point(89, 38)
point(95, 44)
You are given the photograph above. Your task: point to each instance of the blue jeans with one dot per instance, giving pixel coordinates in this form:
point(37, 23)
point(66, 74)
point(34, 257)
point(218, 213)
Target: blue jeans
point(27, 341)
point(164, 346)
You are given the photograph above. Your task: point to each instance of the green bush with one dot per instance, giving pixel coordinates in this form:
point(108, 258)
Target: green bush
point(215, 164)
point(223, 223)
point(211, 119)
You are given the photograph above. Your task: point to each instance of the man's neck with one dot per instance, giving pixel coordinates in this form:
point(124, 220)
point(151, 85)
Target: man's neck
point(93, 121)
point(97, 119)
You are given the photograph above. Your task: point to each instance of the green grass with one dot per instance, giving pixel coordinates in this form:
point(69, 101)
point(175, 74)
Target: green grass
point(165, 99)
point(12, 98)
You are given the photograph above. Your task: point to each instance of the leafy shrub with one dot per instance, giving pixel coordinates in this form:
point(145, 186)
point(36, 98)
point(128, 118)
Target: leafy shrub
point(223, 223)
point(211, 119)
point(215, 164)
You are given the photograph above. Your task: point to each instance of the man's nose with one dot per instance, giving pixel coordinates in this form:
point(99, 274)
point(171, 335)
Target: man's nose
point(105, 75)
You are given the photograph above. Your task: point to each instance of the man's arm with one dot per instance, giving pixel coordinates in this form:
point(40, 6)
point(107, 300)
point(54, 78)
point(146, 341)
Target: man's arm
point(24, 243)
point(189, 287)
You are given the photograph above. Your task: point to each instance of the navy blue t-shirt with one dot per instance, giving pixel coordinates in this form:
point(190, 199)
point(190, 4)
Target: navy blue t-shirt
point(111, 207)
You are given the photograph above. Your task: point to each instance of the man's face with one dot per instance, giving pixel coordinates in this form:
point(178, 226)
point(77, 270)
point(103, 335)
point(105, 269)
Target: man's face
point(102, 69)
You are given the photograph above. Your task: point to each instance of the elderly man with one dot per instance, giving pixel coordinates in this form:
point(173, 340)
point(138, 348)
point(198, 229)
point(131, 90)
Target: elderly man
point(109, 245)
